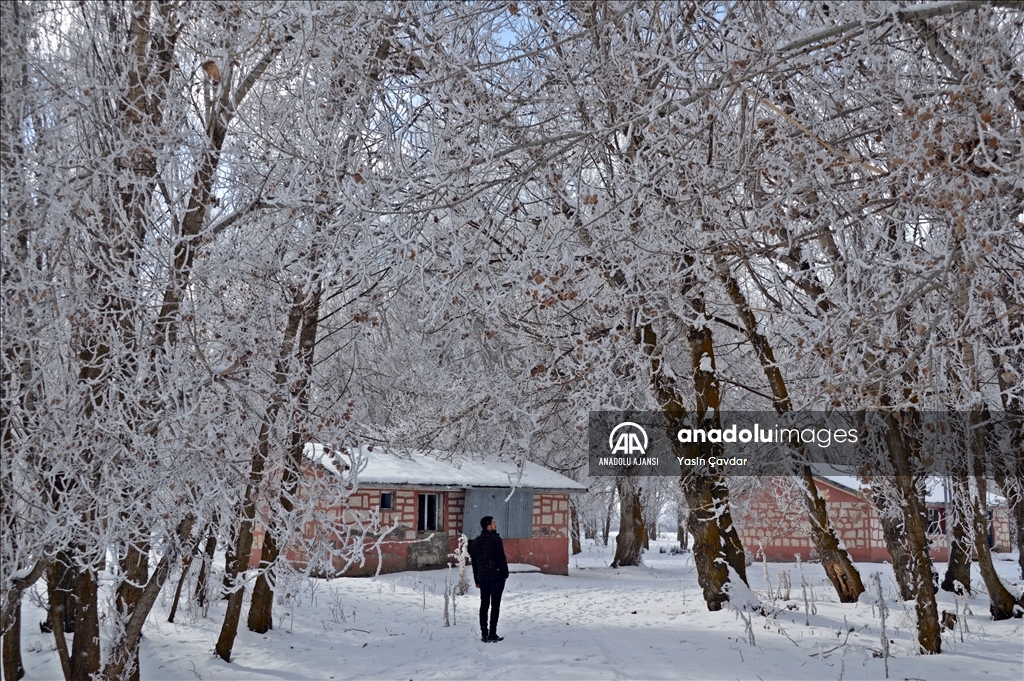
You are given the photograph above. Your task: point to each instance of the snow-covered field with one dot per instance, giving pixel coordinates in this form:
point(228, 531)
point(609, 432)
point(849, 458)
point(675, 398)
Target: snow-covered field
point(645, 622)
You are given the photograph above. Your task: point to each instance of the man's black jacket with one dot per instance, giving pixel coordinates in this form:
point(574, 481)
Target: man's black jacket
point(488, 556)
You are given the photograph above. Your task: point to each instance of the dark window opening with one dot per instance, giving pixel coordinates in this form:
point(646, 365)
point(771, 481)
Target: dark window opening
point(387, 501)
point(428, 513)
point(936, 521)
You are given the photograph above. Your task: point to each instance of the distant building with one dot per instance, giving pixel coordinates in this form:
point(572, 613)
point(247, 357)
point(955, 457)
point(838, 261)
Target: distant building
point(772, 518)
point(429, 502)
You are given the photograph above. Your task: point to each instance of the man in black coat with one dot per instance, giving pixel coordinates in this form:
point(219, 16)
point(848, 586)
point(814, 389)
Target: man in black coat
point(490, 570)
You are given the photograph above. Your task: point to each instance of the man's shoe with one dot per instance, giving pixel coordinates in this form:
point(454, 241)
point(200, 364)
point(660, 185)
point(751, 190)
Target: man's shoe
point(493, 638)
point(485, 638)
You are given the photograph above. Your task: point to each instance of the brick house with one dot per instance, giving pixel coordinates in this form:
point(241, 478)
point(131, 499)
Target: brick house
point(771, 518)
point(422, 504)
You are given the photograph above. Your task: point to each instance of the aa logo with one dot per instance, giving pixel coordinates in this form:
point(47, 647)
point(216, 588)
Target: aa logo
point(628, 438)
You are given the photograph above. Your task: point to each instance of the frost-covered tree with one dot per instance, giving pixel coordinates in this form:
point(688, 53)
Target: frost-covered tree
point(235, 228)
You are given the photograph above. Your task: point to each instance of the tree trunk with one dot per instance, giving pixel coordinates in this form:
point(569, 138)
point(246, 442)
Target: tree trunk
point(896, 545)
point(125, 650)
point(186, 563)
point(135, 566)
point(709, 404)
point(1018, 517)
point(574, 527)
point(243, 545)
point(308, 307)
point(607, 529)
point(203, 580)
point(230, 560)
point(716, 544)
point(64, 573)
point(702, 523)
point(732, 547)
point(629, 543)
point(682, 536)
point(262, 605)
point(85, 649)
point(236, 594)
point(12, 666)
point(56, 616)
point(1001, 603)
point(958, 568)
point(902, 449)
point(838, 567)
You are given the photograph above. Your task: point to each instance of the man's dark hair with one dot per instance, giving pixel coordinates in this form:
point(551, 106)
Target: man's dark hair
point(485, 521)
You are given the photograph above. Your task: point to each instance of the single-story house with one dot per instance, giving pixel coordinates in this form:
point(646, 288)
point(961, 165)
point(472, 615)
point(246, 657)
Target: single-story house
point(421, 503)
point(772, 518)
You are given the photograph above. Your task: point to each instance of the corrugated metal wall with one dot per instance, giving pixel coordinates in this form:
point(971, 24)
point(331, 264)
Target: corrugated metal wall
point(520, 513)
point(515, 519)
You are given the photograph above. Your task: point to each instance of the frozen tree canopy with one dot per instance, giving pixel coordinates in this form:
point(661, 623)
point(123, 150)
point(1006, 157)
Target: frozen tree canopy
point(231, 229)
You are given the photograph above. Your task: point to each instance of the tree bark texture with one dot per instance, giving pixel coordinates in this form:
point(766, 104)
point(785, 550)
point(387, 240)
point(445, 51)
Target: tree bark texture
point(56, 616)
point(1001, 602)
point(85, 649)
point(135, 567)
point(12, 665)
point(308, 307)
point(716, 544)
point(243, 545)
point(261, 606)
point(702, 523)
point(835, 559)
point(124, 652)
point(896, 545)
point(902, 451)
point(230, 561)
point(629, 543)
point(203, 579)
point(959, 514)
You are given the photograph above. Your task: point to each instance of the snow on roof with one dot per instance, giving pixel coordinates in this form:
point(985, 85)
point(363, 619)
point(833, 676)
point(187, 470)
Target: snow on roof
point(847, 482)
point(392, 467)
point(934, 488)
point(843, 476)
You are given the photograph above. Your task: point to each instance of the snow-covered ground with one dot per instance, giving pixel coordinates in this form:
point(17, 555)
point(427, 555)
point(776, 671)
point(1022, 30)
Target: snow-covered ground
point(645, 622)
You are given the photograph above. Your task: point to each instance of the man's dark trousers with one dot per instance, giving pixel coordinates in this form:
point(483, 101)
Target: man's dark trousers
point(490, 597)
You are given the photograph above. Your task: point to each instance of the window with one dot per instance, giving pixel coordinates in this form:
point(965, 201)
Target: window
point(936, 521)
point(429, 508)
point(387, 501)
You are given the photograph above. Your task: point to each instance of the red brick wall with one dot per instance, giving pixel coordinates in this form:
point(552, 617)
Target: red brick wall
point(547, 549)
point(772, 518)
point(456, 501)
point(1001, 529)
